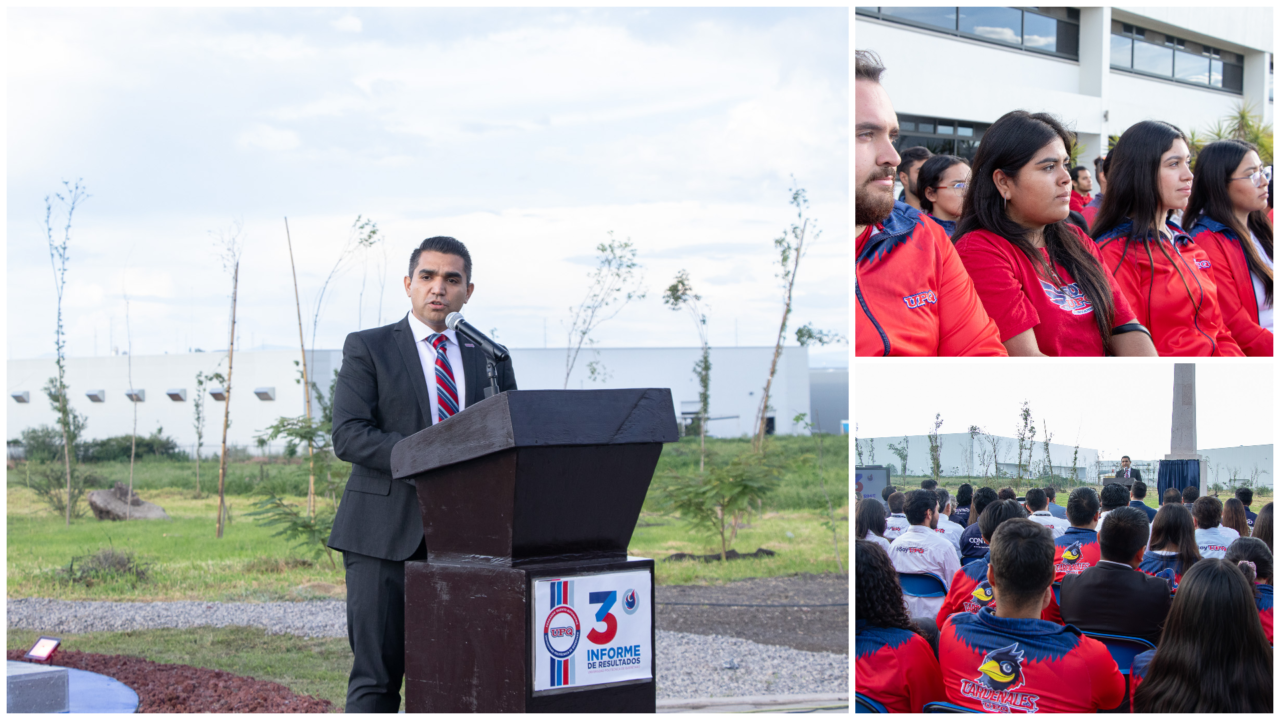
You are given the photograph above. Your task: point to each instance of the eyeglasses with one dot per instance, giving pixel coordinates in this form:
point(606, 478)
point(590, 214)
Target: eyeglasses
point(958, 187)
point(1260, 178)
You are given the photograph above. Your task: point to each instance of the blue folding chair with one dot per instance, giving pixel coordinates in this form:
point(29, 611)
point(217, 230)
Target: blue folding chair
point(1123, 648)
point(946, 707)
point(867, 705)
point(925, 585)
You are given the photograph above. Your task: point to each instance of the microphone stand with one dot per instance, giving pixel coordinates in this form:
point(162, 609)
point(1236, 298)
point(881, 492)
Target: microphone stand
point(492, 368)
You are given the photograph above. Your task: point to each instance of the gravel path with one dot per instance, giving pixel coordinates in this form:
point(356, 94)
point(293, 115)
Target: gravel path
point(693, 666)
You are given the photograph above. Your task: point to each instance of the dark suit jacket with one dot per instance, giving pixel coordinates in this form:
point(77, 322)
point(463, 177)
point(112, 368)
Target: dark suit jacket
point(381, 398)
point(1150, 511)
point(1134, 473)
point(1117, 600)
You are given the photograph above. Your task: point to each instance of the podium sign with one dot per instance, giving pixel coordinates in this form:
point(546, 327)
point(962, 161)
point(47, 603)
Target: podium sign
point(592, 630)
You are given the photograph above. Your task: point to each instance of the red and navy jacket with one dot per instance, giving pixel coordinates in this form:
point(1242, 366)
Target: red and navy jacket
point(995, 664)
point(1090, 211)
point(1264, 601)
point(1153, 564)
point(1181, 323)
point(1076, 551)
point(948, 225)
point(1138, 672)
point(1079, 200)
point(896, 667)
point(1230, 273)
point(970, 591)
point(914, 295)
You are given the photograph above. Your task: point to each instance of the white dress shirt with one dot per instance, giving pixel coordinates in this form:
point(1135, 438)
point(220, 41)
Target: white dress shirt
point(1214, 541)
point(895, 525)
point(872, 537)
point(921, 550)
point(950, 531)
point(427, 355)
point(1046, 518)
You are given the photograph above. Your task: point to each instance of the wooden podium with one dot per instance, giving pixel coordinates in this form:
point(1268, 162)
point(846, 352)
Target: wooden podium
point(520, 489)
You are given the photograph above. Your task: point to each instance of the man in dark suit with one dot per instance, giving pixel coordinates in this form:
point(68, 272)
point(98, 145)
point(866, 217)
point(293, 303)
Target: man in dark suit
point(1114, 597)
point(395, 381)
point(1137, 492)
point(1126, 472)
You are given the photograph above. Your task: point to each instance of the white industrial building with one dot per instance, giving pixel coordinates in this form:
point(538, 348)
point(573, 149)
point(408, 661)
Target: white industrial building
point(264, 388)
point(1252, 462)
point(963, 455)
point(952, 71)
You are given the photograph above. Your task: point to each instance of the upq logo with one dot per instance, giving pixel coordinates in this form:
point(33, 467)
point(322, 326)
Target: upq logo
point(920, 299)
point(1202, 264)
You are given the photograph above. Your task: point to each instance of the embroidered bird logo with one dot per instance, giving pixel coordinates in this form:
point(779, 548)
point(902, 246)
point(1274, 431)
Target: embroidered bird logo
point(1002, 668)
point(1072, 553)
point(983, 593)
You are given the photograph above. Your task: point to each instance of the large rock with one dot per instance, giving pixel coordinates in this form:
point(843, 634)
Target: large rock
point(115, 503)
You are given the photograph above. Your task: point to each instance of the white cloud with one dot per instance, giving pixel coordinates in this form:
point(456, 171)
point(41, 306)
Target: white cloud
point(268, 138)
point(347, 23)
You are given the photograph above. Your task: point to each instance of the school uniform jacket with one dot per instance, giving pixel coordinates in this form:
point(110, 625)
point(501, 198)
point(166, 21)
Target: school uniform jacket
point(1231, 274)
point(1181, 324)
point(914, 295)
point(970, 591)
point(896, 667)
point(1265, 609)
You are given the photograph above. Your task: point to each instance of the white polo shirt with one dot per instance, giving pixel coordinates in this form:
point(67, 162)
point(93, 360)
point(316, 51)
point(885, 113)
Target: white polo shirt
point(921, 550)
point(872, 537)
point(951, 531)
point(1046, 518)
point(895, 525)
point(1214, 541)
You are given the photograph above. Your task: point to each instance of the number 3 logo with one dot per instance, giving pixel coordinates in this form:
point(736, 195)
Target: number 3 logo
point(605, 600)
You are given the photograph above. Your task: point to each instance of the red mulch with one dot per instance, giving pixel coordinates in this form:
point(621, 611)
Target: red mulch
point(182, 688)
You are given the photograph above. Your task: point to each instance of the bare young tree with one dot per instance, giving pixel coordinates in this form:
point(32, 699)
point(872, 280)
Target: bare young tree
point(373, 239)
point(1026, 440)
point(791, 248)
point(306, 383)
point(197, 405)
point(230, 244)
point(363, 234)
point(1048, 461)
point(69, 199)
point(133, 438)
point(901, 451)
point(617, 280)
point(680, 295)
point(935, 448)
point(996, 443)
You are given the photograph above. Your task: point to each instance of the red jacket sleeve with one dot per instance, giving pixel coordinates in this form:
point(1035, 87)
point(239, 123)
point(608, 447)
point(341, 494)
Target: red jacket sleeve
point(1104, 675)
point(1124, 312)
point(964, 327)
point(958, 590)
point(923, 674)
point(1252, 338)
point(996, 282)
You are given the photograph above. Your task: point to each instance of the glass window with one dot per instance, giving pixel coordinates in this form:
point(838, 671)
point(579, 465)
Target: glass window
point(1191, 68)
point(964, 131)
point(946, 129)
point(1153, 58)
point(1232, 77)
point(1040, 32)
point(1215, 73)
point(925, 127)
point(943, 17)
point(966, 149)
point(936, 145)
point(1000, 24)
point(1121, 51)
point(906, 126)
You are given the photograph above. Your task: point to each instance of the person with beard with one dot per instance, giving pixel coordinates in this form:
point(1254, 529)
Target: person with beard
point(1163, 274)
point(914, 296)
point(1226, 217)
point(909, 172)
point(921, 550)
point(1005, 658)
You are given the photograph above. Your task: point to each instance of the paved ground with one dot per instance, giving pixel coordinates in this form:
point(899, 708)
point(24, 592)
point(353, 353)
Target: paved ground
point(725, 610)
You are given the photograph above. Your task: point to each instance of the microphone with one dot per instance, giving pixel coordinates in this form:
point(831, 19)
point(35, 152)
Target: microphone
point(456, 323)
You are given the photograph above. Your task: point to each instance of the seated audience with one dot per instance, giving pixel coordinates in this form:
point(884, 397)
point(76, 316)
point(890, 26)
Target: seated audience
point(1213, 655)
point(949, 530)
point(870, 523)
point(1007, 493)
point(971, 543)
point(1252, 550)
point(1137, 493)
point(1189, 495)
point(1171, 496)
point(894, 664)
point(964, 497)
point(970, 591)
point(1212, 539)
point(1245, 496)
point(897, 522)
point(1113, 496)
point(1262, 526)
point(1077, 550)
point(1037, 505)
point(1005, 658)
point(1112, 597)
point(1233, 516)
point(920, 550)
point(1054, 508)
point(1173, 543)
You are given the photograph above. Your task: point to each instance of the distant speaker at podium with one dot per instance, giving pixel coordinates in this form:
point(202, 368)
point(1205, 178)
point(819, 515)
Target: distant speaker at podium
point(1127, 473)
point(395, 381)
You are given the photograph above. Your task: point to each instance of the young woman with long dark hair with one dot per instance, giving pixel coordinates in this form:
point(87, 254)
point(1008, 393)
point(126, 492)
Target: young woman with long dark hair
point(871, 521)
point(942, 184)
point(1213, 656)
point(1263, 523)
point(1256, 553)
point(1039, 278)
point(1162, 273)
point(1173, 542)
point(1227, 218)
point(1233, 516)
point(894, 663)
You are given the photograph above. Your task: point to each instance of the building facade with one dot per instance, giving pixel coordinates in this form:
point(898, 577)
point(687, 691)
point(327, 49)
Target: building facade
point(975, 456)
point(952, 71)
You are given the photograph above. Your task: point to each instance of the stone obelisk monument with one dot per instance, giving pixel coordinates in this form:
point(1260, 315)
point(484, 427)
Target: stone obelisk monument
point(1182, 439)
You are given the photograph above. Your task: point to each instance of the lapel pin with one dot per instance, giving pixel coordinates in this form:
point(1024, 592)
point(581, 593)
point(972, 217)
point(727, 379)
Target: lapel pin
point(468, 345)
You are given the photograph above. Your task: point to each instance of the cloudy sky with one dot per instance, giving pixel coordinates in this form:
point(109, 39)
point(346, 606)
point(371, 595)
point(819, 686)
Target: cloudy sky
point(528, 134)
point(1115, 407)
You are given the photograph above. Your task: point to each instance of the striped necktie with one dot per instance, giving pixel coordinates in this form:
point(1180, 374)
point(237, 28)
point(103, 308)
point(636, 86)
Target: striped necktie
point(446, 388)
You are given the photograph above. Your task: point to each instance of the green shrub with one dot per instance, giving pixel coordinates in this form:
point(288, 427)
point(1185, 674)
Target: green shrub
point(119, 448)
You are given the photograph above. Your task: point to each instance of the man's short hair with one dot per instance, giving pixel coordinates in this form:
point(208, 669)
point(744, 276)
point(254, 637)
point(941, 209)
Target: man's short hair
point(1124, 532)
point(1114, 496)
point(982, 497)
point(1190, 493)
point(1139, 489)
point(1082, 506)
point(887, 491)
point(911, 156)
point(1122, 457)
point(1007, 493)
point(1207, 512)
point(1245, 495)
point(996, 513)
point(867, 66)
point(442, 244)
point(1037, 499)
point(1022, 560)
point(896, 500)
point(1050, 493)
point(918, 504)
point(1075, 172)
point(1171, 495)
point(943, 498)
point(929, 484)
point(1097, 164)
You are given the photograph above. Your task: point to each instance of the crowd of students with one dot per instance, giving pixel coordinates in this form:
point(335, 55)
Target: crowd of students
point(1027, 586)
point(1015, 256)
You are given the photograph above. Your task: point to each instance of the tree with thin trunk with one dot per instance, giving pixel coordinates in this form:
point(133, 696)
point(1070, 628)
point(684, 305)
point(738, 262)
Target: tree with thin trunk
point(69, 199)
point(902, 452)
point(197, 404)
point(133, 438)
point(791, 248)
point(365, 248)
point(306, 384)
point(231, 244)
point(617, 280)
point(1048, 437)
point(1026, 440)
point(935, 449)
point(679, 295)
